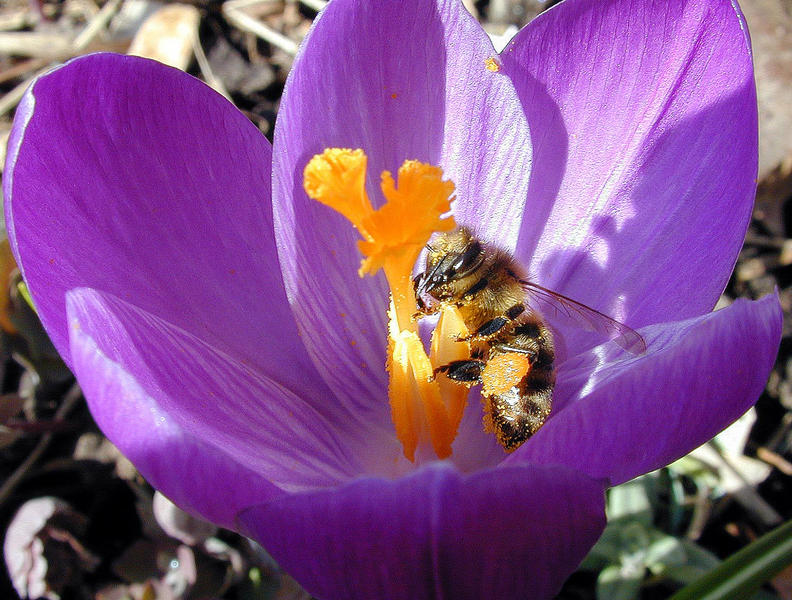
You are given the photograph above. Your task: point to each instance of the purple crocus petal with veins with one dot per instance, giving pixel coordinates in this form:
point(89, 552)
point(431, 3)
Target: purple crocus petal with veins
point(644, 124)
point(144, 183)
point(629, 415)
point(398, 97)
point(261, 440)
point(163, 205)
point(212, 325)
point(455, 536)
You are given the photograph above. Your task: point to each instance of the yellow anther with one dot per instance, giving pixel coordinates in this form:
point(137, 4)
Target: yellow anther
point(445, 349)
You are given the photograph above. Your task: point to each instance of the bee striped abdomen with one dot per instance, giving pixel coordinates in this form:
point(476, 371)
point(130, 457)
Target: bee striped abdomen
point(516, 413)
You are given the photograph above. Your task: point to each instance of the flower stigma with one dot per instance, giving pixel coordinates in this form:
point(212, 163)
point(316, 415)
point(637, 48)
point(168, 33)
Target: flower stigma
point(425, 410)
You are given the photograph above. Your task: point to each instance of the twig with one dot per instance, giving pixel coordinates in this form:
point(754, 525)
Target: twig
point(43, 426)
point(747, 496)
point(80, 43)
point(245, 22)
point(701, 513)
point(33, 44)
point(206, 68)
point(95, 26)
point(316, 5)
point(20, 69)
point(70, 400)
point(765, 241)
point(774, 460)
point(240, 4)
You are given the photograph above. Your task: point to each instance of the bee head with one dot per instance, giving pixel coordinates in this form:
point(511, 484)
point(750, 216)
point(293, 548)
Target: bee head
point(452, 257)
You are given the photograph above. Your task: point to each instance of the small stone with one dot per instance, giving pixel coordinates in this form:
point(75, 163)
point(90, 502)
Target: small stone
point(786, 253)
point(93, 446)
point(236, 73)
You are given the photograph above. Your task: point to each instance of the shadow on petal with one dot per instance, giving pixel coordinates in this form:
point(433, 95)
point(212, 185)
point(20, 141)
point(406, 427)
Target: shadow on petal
point(137, 369)
point(643, 119)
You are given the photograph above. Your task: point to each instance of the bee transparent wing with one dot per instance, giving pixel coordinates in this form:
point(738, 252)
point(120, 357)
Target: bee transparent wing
point(552, 304)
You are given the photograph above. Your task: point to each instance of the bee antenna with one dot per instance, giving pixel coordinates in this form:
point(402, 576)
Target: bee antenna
point(429, 247)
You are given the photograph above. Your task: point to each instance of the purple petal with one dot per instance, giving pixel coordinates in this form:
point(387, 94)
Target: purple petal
point(618, 416)
point(512, 532)
point(402, 80)
point(194, 420)
point(644, 125)
point(135, 179)
point(474, 447)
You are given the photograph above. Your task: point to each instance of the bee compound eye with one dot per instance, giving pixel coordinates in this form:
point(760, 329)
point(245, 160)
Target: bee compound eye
point(456, 265)
point(469, 259)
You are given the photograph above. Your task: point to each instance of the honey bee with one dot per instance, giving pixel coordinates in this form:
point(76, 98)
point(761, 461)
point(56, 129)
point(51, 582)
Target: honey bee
point(512, 349)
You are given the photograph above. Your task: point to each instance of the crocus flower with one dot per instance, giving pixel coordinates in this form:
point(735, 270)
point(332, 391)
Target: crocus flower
point(214, 315)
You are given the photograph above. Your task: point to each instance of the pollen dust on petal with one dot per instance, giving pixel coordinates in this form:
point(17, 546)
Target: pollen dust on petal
point(492, 64)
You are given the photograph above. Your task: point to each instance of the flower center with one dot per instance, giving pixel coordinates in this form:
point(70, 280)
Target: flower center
point(425, 411)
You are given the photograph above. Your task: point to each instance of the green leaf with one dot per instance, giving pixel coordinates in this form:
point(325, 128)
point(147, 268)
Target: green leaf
point(694, 564)
point(699, 557)
point(744, 572)
point(664, 551)
point(630, 500)
point(617, 583)
point(683, 574)
point(257, 586)
point(25, 293)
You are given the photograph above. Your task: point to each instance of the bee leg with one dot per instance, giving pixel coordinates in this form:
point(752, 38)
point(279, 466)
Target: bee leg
point(475, 288)
point(529, 351)
point(493, 326)
point(422, 308)
point(464, 371)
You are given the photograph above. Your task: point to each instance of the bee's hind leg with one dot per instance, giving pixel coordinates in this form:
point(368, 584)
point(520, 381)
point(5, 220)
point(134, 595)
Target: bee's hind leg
point(466, 371)
point(494, 326)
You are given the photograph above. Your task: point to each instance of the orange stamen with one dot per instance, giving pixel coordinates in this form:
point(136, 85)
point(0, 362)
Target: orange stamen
point(422, 408)
point(445, 349)
point(337, 178)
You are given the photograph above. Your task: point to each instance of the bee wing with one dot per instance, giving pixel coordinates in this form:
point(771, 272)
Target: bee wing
point(550, 303)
